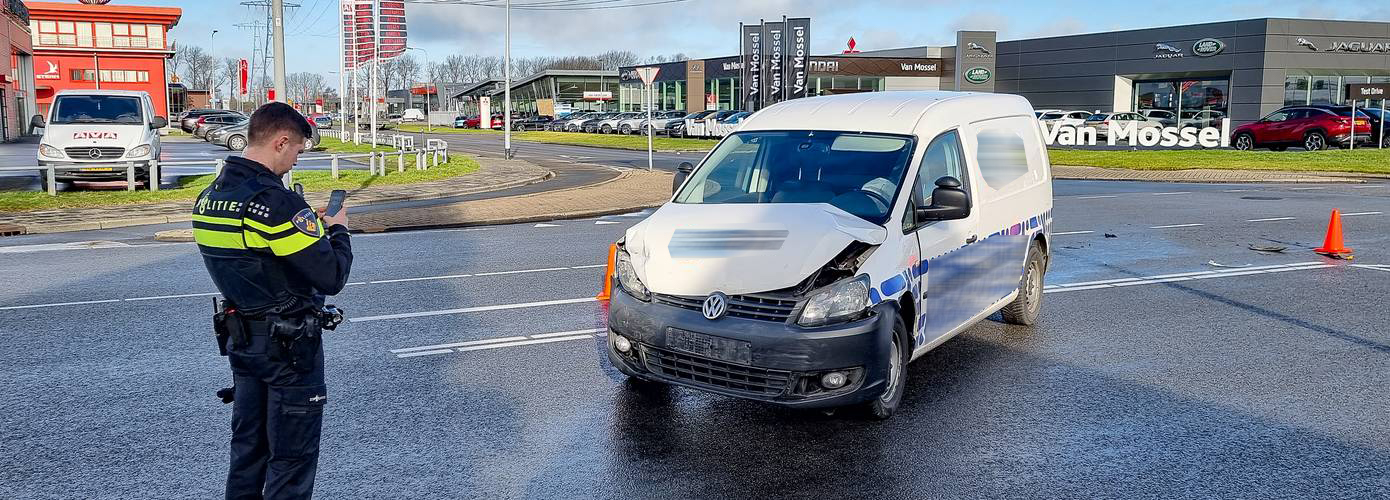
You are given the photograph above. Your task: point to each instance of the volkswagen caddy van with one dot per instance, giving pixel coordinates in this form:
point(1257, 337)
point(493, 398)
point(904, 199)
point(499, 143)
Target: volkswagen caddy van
point(100, 130)
point(832, 240)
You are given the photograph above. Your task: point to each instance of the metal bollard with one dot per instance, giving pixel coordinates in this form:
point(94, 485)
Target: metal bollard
point(217, 167)
point(52, 180)
point(335, 166)
point(130, 176)
point(154, 176)
point(400, 161)
point(371, 164)
point(419, 160)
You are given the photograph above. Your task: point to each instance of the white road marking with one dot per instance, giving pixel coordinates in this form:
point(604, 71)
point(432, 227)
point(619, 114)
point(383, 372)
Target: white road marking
point(1373, 267)
point(600, 222)
point(355, 283)
point(465, 310)
point(1271, 219)
point(590, 331)
point(1170, 226)
point(424, 353)
point(525, 342)
point(1310, 188)
point(76, 245)
point(1170, 278)
point(1354, 214)
point(208, 294)
point(521, 271)
point(81, 302)
point(1174, 192)
point(546, 225)
point(1064, 233)
point(589, 266)
point(1368, 186)
point(403, 280)
point(455, 344)
point(1236, 190)
point(1096, 197)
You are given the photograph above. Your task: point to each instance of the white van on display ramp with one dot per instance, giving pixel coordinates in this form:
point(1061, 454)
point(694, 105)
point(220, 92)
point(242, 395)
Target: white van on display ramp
point(831, 240)
point(101, 131)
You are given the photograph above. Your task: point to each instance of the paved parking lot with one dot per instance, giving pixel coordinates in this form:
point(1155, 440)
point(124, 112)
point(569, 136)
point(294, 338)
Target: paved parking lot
point(1171, 361)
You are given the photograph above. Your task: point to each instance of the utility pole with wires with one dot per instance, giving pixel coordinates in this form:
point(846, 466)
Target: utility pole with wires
point(274, 39)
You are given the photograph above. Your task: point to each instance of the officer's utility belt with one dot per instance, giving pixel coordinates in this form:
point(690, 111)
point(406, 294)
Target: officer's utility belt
point(293, 339)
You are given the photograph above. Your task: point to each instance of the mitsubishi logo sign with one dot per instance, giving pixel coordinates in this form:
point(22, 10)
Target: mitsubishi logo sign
point(715, 306)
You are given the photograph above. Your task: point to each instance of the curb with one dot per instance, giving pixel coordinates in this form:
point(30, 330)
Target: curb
point(1270, 177)
point(168, 219)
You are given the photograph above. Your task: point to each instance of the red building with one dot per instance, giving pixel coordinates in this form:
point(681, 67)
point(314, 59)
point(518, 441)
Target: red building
point(99, 46)
point(17, 79)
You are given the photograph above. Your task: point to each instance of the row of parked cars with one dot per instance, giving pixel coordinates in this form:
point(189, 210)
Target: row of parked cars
point(712, 123)
point(1312, 127)
point(228, 128)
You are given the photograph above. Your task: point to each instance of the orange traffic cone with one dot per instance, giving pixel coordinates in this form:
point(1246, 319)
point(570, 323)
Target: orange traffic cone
point(608, 273)
point(1333, 246)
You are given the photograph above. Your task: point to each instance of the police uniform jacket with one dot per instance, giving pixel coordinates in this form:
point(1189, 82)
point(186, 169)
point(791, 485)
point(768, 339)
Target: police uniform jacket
point(266, 249)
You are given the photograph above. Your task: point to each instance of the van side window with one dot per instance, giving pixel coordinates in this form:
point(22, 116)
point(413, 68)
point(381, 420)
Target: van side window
point(1002, 156)
point(943, 158)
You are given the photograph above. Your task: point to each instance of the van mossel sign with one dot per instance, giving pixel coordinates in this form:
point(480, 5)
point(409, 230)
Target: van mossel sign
point(1131, 134)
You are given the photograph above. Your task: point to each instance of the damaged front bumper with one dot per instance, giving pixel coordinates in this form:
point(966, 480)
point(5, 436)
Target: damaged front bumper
point(760, 359)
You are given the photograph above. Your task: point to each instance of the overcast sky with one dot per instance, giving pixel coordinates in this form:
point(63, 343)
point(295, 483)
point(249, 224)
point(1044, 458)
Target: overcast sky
point(708, 28)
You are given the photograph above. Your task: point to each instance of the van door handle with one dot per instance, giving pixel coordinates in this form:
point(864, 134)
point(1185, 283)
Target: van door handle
point(972, 239)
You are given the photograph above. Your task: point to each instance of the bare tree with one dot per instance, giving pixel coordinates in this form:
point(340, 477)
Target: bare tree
point(229, 76)
point(200, 68)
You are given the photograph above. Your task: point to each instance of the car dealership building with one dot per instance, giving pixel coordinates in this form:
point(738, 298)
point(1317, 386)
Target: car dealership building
point(1242, 69)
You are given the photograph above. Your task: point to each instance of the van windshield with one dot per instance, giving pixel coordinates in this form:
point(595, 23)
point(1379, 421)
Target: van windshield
point(97, 109)
point(859, 173)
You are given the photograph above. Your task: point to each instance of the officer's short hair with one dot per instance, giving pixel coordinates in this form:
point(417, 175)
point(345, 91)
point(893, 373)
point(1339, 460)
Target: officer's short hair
point(275, 118)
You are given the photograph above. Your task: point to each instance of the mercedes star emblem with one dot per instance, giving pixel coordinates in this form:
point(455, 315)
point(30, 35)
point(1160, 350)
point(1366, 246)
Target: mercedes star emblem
point(94, 153)
point(716, 305)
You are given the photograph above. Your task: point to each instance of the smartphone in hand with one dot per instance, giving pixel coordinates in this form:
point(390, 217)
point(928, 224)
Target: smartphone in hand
point(335, 202)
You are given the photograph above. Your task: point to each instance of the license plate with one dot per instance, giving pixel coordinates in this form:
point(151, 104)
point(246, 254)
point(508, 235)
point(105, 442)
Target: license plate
point(709, 346)
point(101, 169)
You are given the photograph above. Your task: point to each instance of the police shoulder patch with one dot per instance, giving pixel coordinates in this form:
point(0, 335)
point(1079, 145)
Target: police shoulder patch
point(308, 222)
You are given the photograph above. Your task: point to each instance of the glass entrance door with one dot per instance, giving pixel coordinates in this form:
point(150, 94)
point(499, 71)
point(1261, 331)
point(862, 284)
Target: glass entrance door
point(1195, 103)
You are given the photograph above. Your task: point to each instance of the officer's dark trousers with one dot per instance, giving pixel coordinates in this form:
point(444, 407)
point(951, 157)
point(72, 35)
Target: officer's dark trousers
point(276, 421)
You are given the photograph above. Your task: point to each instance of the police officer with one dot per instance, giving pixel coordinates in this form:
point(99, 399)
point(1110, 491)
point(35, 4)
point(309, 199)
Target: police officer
point(273, 258)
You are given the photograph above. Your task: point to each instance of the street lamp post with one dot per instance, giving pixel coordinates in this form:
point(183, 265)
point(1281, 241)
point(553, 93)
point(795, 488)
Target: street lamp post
point(428, 83)
point(507, 97)
point(213, 53)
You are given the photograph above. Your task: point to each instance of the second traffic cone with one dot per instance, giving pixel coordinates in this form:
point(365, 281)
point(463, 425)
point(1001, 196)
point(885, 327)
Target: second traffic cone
point(608, 273)
point(1332, 246)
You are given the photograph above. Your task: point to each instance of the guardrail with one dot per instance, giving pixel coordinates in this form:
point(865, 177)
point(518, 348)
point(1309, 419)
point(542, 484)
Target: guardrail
point(436, 152)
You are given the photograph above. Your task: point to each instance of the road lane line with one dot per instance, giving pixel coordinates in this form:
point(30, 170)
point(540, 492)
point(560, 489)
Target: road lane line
point(172, 296)
point(456, 344)
point(591, 266)
point(520, 271)
point(403, 280)
point(1174, 192)
point(1176, 277)
point(464, 310)
point(1064, 233)
point(1271, 219)
point(1237, 190)
point(1384, 269)
point(78, 303)
point(1096, 197)
point(356, 283)
point(526, 342)
point(590, 331)
point(1368, 186)
point(1354, 214)
point(424, 353)
point(1171, 226)
point(1311, 188)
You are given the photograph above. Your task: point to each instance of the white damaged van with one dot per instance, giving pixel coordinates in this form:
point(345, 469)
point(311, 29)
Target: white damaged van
point(99, 130)
point(832, 240)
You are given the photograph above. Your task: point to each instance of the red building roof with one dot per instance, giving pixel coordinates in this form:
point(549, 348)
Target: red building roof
point(168, 16)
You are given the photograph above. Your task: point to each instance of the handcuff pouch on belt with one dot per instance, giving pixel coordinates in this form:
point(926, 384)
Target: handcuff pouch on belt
point(229, 326)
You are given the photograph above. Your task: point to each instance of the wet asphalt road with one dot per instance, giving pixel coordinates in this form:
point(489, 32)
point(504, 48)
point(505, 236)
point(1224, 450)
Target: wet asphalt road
point(1250, 384)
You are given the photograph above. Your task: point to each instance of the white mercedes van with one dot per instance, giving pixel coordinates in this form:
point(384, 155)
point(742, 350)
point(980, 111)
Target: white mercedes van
point(100, 128)
point(832, 240)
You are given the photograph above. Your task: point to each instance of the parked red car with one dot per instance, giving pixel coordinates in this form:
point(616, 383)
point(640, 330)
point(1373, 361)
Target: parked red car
point(1312, 127)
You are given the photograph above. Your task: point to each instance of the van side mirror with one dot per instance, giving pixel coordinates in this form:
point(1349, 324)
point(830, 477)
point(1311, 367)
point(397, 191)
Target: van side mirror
point(948, 202)
point(159, 122)
point(37, 122)
point(682, 172)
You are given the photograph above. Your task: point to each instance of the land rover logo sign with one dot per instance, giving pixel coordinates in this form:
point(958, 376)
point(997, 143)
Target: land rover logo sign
point(1208, 47)
point(977, 75)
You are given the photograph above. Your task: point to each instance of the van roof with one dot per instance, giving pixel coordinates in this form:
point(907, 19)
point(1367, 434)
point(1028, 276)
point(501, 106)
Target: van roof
point(895, 112)
point(127, 93)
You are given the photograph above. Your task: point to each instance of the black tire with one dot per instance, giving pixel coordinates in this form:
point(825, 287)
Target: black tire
point(606, 130)
point(625, 130)
point(1385, 143)
point(43, 180)
point(236, 143)
point(1315, 141)
point(518, 127)
point(1278, 148)
point(883, 406)
point(1244, 142)
point(1027, 308)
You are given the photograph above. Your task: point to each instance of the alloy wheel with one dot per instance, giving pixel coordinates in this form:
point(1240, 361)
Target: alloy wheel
point(895, 366)
point(1314, 142)
point(1244, 143)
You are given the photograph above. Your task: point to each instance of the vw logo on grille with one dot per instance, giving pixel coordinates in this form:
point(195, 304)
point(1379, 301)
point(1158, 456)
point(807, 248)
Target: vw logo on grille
point(94, 153)
point(716, 305)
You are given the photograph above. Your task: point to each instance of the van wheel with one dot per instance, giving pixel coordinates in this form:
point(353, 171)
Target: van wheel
point(1245, 142)
point(1026, 309)
point(885, 404)
point(1315, 141)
